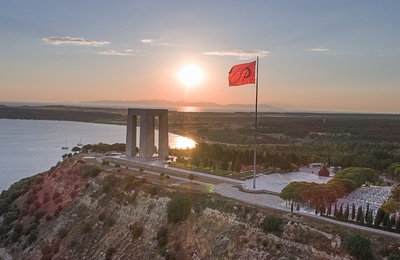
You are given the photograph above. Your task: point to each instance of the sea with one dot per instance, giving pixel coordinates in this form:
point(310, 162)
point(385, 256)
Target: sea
point(28, 147)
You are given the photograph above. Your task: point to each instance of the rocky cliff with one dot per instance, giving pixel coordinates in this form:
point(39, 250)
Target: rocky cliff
point(77, 211)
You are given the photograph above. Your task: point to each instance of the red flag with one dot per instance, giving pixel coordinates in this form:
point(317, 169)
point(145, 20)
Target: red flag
point(242, 74)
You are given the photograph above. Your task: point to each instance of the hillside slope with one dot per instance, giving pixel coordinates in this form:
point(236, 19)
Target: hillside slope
point(76, 211)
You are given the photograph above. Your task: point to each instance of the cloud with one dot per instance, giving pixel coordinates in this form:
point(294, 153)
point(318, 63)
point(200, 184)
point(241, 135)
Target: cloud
point(320, 49)
point(243, 55)
point(154, 41)
point(112, 52)
point(69, 40)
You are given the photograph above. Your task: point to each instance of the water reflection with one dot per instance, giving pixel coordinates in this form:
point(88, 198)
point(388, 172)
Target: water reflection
point(189, 109)
point(180, 142)
point(174, 141)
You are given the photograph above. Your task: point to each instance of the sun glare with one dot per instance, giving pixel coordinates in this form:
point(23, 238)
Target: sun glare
point(190, 75)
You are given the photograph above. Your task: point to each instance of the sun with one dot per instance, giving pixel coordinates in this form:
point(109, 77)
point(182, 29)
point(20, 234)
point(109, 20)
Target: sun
point(190, 75)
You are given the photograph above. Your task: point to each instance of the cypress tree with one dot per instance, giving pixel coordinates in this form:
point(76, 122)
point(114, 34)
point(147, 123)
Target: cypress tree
point(346, 213)
point(329, 209)
point(340, 213)
point(359, 213)
point(392, 222)
point(385, 221)
point(335, 212)
point(378, 217)
point(369, 219)
point(322, 209)
point(353, 212)
point(397, 226)
point(362, 219)
point(367, 211)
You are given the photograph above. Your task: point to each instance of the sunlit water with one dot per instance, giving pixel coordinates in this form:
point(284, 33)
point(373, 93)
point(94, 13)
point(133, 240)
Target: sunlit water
point(28, 147)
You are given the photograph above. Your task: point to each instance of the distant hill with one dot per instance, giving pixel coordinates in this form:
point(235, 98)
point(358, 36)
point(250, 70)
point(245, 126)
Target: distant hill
point(202, 106)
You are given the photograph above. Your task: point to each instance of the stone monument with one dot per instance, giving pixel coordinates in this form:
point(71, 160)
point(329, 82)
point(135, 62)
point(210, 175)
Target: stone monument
point(147, 141)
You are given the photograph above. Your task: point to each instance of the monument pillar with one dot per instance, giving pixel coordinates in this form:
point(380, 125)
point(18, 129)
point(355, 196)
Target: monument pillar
point(147, 143)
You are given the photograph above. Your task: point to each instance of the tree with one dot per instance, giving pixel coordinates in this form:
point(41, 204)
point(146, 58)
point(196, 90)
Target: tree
point(238, 163)
point(367, 212)
point(379, 217)
point(346, 213)
point(86, 148)
point(358, 246)
point(397, 226)
point(391, 206)
point(369, 219)
point(359, 214)
point(196, 161)
point(323, 171)
point(224, 163)
point(191, 177)
point(340, 213)
point(395, 193)
point(353, 212)
point(76, 149)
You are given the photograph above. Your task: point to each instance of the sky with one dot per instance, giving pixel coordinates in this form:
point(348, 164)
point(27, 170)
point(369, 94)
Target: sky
point(313, 55)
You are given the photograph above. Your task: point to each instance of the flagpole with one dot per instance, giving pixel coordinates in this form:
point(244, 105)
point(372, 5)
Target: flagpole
point(255, 132)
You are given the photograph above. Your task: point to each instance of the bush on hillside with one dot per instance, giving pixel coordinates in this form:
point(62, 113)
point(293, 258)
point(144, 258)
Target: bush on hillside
point(178, 209)
point(358, 246)
point(271, 223)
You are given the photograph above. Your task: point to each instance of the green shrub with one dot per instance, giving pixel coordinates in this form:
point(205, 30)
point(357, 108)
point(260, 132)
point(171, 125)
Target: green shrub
point(102, 217)
point(15, 236)
point(393, 257)
point(128, 183)
point(32, 227)
point(110, 251)
point(18, 228)
point(73, 243)
point(39, 214)
point(358, 246)
point(62, 232)
point(87, 228)
point(105, 162)
point(153, 190)
point(110, 221)
point(90, 170)
point(136, 230)
point(94, 171)
point(10, 217)
point(117, 165)
point(271, 223)
point(178, 209)
point(32, 237)
point(106, 186)
point(162, 239)
point(4, 208)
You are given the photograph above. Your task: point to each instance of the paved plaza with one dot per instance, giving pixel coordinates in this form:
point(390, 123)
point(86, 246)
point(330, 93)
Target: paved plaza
point(276, 182)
